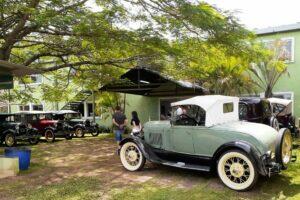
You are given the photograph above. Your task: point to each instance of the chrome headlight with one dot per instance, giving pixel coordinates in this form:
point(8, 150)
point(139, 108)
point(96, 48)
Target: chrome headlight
point(271, 154)
point(17, 127)
point(29, 125)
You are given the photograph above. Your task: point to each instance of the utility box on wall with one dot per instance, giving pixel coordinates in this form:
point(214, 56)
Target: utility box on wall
point(6, 82)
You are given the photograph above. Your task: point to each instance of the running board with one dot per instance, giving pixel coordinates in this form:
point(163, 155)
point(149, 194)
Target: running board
point(187, 166)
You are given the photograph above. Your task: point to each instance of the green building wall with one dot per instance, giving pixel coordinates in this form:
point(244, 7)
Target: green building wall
point(291, 82)
point(146, 107)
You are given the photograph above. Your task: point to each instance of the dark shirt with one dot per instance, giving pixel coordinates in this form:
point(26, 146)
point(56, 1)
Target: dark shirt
point(120, 118)
point(136, 121)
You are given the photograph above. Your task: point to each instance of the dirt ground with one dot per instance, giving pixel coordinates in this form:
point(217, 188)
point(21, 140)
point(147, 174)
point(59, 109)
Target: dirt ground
point(96, 157)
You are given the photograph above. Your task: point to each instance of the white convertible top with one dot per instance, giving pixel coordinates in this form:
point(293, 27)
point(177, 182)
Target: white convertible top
point(66, 112)
point(213, 106)
point(280, 101)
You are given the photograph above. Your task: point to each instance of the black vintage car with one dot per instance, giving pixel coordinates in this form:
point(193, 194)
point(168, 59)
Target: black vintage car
point(258, 110)
point(79, 126)
point(46, 125)
point(12, 131)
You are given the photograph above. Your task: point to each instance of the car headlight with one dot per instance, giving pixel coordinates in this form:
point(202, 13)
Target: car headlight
point(271, 154)
point(17, 127)
point(29, 125)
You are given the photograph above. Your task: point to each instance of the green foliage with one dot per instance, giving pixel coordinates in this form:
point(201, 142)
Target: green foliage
point(269, 69)
point(106, 102)
point(214, 67)
point(98, 46)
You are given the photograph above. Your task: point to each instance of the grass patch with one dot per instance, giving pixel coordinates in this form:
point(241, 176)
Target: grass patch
point(151, 191)
point(85, 188)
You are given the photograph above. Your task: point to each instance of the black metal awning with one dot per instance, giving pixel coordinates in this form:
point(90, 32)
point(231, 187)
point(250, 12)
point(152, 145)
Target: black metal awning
point(147, 82)
point(7, 68)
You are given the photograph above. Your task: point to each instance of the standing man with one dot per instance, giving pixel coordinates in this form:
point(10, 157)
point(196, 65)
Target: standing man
point(119, 123)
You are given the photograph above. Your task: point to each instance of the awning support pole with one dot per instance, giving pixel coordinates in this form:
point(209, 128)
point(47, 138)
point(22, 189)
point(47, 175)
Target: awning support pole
point(94, 117)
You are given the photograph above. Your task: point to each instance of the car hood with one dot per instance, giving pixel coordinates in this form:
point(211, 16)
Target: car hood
point(263, 133)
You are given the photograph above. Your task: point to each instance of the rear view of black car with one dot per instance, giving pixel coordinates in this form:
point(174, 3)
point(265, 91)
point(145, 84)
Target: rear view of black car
point(13, 131)
point(258, 110)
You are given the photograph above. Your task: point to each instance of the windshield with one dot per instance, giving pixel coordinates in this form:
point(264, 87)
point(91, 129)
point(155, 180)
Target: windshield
point(8, 118)
point(72, 116)
point(189, 115)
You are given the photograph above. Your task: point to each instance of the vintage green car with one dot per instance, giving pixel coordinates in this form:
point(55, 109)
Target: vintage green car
point(205, 134)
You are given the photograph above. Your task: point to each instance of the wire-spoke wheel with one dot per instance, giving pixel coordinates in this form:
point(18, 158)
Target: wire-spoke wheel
point(33, 140)
point(132, 157)
point(10, 140)
point(79, 132)
point(49, 135)
point(237, 171)
point(95, 134)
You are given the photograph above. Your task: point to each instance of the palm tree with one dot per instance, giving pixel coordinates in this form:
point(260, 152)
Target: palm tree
point(267, 73)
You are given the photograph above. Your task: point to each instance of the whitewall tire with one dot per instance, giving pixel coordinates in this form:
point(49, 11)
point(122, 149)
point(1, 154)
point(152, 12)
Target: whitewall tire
point(131, 157)
point(237, 171)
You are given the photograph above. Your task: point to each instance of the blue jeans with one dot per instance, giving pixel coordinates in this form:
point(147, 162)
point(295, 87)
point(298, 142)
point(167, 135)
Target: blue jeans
point(118, 135)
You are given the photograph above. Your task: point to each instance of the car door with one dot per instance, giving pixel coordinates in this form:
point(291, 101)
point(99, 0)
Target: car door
point(181, 139)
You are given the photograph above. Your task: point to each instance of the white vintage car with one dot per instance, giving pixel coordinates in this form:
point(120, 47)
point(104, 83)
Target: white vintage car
point(205, 134)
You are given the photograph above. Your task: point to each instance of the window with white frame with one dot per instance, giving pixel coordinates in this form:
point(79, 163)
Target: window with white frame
point(286, 45)
point(37, 107)
point(24, 107)
point(34, 79)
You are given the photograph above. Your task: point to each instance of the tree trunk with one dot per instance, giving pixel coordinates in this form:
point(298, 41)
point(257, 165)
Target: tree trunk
point(268, 92)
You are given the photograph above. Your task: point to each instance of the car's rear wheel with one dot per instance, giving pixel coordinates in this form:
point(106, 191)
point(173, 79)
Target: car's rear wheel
point(79, 132)
point(95, 134)
point(33, 140)
point(237, 171)
point(10, 140)
point(274, 123)
point(131, 157)
point(49, 135)
point(69, 136)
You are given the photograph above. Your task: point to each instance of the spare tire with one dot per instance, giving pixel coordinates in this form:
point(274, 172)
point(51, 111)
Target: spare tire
point(284, 145)
point(274, 123)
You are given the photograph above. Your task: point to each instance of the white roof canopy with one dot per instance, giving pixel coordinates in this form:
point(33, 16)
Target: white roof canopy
point(214, 107)
point(280, 101)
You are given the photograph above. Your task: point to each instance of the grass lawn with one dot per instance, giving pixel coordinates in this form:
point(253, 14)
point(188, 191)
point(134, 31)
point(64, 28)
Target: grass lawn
point(88, 168)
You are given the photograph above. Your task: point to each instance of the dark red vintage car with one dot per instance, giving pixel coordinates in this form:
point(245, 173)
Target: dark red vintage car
point(46, 125)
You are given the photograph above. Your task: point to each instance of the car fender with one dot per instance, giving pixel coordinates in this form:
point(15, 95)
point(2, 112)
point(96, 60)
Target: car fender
point(51, 128)
point(249, 149)
point(9, 131)
point(144, 148)
point(79, 126)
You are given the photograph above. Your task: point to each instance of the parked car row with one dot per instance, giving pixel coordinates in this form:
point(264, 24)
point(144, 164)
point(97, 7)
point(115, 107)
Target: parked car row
point(209, 136)
point(31, 126)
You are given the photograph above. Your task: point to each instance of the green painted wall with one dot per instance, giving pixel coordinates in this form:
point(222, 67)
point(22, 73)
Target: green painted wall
point(290, 83)
point(146, 107)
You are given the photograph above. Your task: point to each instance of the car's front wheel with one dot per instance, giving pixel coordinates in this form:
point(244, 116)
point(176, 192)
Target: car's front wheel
point(79, 132)
point(10, 140)
point(237, 171)
point(131, 157)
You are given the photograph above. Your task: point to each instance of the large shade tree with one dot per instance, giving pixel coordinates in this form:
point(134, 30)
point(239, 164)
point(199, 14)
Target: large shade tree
point(92, 47)
point(52, 35)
